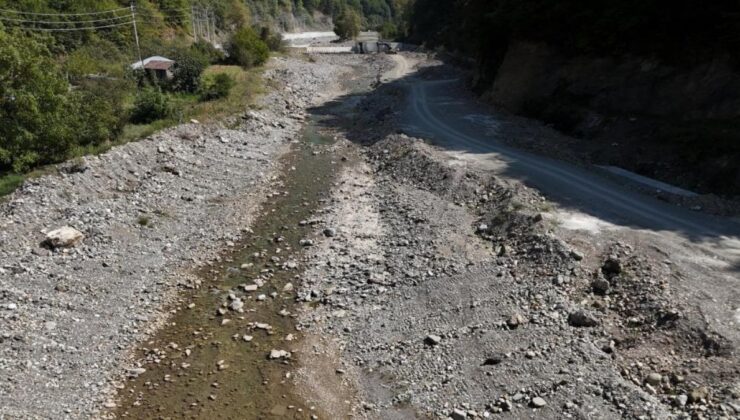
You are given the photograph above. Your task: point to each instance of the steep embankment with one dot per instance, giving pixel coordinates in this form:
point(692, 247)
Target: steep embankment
point(667, 122)
point(653, 87)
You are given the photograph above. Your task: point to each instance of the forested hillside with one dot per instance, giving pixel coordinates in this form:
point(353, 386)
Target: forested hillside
point(658, 78)
point(684, 33)
point(66, 84)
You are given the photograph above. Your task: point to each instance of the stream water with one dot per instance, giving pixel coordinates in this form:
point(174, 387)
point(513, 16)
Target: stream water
point(203, 364)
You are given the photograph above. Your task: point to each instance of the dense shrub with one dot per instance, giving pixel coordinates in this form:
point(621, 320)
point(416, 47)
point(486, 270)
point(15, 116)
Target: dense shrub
point(216, 87)
point(151, 105)
point(273, 40)
point(99, 111)
point(32, 104)
point(247, 49)
point(189, 66)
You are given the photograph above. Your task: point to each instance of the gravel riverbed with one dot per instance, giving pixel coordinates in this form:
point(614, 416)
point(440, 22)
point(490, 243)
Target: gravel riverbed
point(151, 212)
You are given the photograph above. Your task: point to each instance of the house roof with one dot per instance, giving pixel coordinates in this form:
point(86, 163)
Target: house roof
point(158, 65)
point(154, 62)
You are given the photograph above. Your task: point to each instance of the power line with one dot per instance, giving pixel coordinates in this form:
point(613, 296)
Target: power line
point(74, 29)
point(60, 22)
point(63, 14)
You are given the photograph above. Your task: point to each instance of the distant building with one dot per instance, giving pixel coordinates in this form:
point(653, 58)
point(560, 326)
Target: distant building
point(160, 66)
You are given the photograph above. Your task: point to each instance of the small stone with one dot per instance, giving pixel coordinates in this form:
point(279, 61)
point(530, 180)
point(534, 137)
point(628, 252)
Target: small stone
point(250, 287)
point(582, 319)
point(236, 305)
point(330, 232)
point(482, 228)
point(698, 394)
point(515, 320)
point(681, 400)
point(247, 338)
point(432, 339)
point(576, 255)
point(654, 378)
point(279, 354)
point(611, 267)
point(494, 360)
point(288, 287)
point(600, 286)
point(538, 402)
point(458, 414)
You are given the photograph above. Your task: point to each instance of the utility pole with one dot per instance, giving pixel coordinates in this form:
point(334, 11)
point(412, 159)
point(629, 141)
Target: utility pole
point(136, 32)
point(208, 24)
point(192, 19)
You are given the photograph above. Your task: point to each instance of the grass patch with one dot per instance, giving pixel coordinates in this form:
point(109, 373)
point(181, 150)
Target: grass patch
point(144, 220)
point(10, 182)
point(248, 86)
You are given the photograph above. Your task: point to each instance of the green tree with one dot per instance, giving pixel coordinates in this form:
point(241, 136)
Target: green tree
point(189, 65)
point(347, 26)
point(32, 104)
point(247, 49)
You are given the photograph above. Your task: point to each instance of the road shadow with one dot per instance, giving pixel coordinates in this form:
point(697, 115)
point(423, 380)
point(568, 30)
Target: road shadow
point(433, 104)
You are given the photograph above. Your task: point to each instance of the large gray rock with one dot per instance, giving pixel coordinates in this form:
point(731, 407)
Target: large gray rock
point(63, 237)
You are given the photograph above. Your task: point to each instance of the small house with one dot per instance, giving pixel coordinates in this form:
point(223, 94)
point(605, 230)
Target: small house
point(161, 67)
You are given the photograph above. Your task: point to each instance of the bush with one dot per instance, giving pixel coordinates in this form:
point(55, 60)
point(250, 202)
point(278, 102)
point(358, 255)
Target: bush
point(247, 49)
point(151, 105)
point(347, 26)
point(33, 105)
point(273, 40)
point(189, 66)
point(98, 113)
point(216, 87)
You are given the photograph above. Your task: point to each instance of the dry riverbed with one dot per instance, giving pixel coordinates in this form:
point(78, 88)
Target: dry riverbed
point(154, 214)
point(313, 263)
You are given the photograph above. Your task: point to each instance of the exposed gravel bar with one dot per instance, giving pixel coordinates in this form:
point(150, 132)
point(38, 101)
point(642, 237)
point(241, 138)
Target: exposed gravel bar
point(150, 211)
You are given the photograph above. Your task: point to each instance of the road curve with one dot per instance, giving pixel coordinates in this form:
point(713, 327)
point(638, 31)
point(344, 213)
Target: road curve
point(436, 112)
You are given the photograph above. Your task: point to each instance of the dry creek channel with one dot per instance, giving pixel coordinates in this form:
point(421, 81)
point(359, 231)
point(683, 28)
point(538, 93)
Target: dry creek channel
point(212, 359)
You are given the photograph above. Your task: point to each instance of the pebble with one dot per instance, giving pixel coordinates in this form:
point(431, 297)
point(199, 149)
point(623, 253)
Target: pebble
point(515, 320)
point(538, 402)
point(279, 354)
point(582, 318)
point(458, 414)
point(654, 378)
point(236, 305)
point(432, 339)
